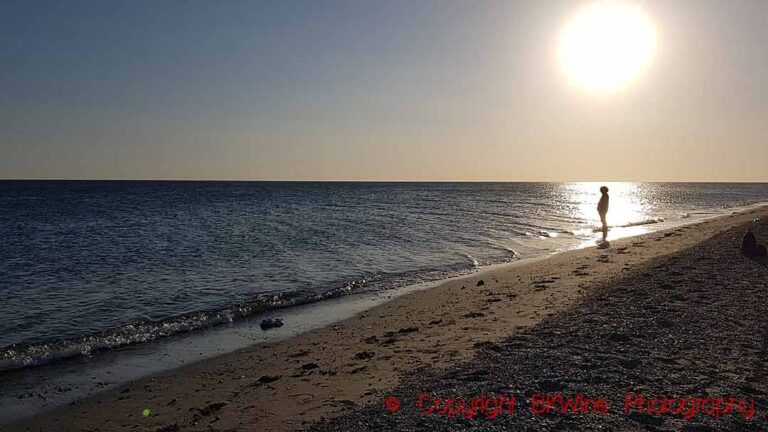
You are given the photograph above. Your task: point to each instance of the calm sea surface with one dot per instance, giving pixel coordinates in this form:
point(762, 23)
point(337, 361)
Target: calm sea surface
point(87, 265)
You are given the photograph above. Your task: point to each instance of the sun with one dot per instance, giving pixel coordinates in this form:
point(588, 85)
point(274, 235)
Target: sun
point(607, 45)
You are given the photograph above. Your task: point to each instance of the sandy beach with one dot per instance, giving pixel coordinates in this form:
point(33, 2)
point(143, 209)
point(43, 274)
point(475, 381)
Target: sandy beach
point(383, 216)
point(639, 313)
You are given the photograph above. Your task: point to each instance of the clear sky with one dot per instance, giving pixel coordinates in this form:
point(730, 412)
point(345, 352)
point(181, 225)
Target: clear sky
point(372, 90)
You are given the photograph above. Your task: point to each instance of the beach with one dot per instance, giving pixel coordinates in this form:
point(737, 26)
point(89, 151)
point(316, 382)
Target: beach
point(376, 216)
point(524, 326)
point(676, 344)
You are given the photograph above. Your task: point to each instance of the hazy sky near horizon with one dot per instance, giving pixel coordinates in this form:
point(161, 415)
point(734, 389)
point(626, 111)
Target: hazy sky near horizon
point(372, 90)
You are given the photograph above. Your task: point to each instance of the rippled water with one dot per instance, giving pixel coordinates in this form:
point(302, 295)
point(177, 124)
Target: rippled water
point(92, 265)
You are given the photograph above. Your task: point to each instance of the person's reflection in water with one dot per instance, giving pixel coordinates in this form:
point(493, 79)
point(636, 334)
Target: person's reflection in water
point(602, 209)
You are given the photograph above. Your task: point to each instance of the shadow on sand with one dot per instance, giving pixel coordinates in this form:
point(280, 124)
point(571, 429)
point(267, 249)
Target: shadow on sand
point(763, 261)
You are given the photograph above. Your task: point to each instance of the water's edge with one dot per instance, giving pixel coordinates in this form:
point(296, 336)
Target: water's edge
point(21, 356)
point(32, 391)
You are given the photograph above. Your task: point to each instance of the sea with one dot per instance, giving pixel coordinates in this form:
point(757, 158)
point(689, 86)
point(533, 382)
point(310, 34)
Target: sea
point(88, 267)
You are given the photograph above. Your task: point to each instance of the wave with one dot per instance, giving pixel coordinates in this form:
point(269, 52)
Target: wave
point(515, 254)
point(543, 234)
point(20, 356)
point(475, 262)
point(643, 222)
point(649, 221)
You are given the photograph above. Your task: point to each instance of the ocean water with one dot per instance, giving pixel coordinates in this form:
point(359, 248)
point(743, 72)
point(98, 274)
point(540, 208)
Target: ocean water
point(93, 265)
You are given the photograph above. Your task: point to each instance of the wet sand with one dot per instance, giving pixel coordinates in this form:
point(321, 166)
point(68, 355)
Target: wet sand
point(579, 308)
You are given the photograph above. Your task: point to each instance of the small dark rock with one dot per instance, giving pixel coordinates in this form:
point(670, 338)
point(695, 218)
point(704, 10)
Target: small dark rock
point(388, 341)
point(266, 379)
point(269, 323)
point(210, 408)
point(364, 355)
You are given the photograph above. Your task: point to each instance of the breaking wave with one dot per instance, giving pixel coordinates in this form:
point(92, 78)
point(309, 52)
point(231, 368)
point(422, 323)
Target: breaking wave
point(28, 355)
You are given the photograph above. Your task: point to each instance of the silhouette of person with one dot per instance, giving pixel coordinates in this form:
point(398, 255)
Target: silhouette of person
point(602, 210)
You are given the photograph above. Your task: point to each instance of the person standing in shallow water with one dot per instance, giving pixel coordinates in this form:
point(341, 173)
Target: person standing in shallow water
point(602, 210)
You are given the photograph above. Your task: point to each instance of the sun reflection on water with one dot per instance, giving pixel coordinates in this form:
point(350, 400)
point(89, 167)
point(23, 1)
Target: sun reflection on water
point(628, 213)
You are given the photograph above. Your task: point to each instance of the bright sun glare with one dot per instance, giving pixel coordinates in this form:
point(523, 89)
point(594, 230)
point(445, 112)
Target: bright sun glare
point(607, 45)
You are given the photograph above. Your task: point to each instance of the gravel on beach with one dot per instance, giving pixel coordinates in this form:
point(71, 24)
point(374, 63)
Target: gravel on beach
point(690, 324)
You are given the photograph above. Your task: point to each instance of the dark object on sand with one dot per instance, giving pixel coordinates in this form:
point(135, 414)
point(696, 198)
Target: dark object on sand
point(266, 379)
point(364, 355)
point(749, 243)
point(269, 323)
point(480, 282)
point(761, 250)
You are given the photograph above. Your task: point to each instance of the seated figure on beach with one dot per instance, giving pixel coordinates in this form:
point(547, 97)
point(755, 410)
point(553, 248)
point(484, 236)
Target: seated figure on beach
point(602, 210)
point(749, 243)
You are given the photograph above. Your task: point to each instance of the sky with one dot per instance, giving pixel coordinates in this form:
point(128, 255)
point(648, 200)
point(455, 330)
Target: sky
point(411, 90)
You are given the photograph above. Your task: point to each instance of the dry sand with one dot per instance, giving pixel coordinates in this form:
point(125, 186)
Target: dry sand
point(335, 370)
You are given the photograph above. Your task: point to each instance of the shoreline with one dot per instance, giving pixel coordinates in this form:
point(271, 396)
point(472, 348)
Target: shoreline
point(220, 317)
point(328, 370)
point(678, 343)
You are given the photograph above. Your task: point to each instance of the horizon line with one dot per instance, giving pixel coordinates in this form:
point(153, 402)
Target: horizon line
point(369, 181)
